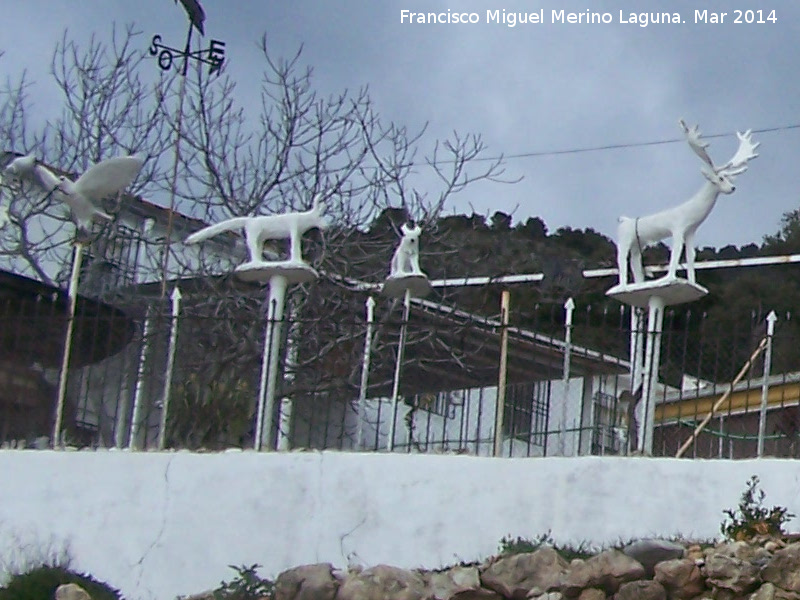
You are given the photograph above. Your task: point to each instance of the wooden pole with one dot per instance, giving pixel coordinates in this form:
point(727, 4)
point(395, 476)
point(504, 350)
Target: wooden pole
point(722, 399)
point(505, 303)
point(72, 298)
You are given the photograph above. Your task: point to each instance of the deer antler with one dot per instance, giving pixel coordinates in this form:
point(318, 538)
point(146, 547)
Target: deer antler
point(699, 147)
point(745, 152)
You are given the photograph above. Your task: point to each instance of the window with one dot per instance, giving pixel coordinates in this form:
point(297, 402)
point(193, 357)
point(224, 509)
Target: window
point(441, 403)
point(112, 261)
point(609, 432)
point(526, 413)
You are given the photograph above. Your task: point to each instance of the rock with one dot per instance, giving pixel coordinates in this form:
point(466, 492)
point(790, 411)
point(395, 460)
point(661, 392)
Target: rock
point(681, 578)
point(695, 552)
point(550, 596)
point(641, 590)
point(607, 571)
point(309, 582)
point(731, 573)
point(457, 583)
point(384, 582)
point(479, 594)
point(743, 551)
point(783, 569)
point(71, 591)
point(723, 594)
point(651, 552)
point(765, 592)
point(526, 574)
point(592, 594)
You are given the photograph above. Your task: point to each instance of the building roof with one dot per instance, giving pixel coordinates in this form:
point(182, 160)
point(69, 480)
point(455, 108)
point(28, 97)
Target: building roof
point(33, 319)
point(783, 390)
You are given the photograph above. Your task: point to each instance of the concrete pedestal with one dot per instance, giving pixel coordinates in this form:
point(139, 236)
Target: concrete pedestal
point(655, 295)
point(417, 285)
point(406, 287)
point(673, 291)
point(279, 275)
point(263, 272)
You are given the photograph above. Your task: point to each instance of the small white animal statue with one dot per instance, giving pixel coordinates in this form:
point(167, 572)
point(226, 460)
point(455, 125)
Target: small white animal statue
point(21, 167)
point(102, 180)
point(405, 261)
point(258, 230)
point(681, 222)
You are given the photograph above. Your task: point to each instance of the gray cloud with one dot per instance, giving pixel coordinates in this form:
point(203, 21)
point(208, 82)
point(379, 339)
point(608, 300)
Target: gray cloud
point(530, 88)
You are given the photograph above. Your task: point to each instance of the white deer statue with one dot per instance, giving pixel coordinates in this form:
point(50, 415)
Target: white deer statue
point(681, 222)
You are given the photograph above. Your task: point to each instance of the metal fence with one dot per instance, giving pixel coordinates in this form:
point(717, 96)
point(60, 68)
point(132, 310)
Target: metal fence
point(147, 373)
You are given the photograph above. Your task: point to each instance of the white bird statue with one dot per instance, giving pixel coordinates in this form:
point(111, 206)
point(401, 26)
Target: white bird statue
point(21, 167)
point(102, 180)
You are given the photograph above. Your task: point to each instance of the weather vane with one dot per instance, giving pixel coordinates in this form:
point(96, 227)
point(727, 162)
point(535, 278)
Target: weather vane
point(213, 56)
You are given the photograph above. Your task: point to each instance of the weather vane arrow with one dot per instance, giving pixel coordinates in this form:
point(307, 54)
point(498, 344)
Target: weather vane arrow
point(213, 56)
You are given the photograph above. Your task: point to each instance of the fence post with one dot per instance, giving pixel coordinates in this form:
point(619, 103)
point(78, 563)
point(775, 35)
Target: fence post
point(166, 392)
point(569, 307)
point(505, 303)
point(401, 347)
point(637, 367)
point(140, 375)
point(762, 417)
point(362, 393)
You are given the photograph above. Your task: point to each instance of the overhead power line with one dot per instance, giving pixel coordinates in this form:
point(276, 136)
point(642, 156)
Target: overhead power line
point(536, 154)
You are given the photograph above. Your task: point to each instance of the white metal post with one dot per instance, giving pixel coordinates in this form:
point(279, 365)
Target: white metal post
point(362, 394)
point(287, 403)
point(285, 424)
point(401, 347)
point(138, 391)
point(166, 391)
point(569, 307)
point(762, 417)
point(652, 357)
point(72, 298)
point(269, 362)
point(637, 347)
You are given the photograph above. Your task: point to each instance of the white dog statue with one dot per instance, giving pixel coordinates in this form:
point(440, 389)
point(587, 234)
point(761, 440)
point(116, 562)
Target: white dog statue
point(405, 262)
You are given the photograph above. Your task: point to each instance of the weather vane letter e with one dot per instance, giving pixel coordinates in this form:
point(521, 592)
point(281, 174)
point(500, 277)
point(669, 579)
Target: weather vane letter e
point(213, 56)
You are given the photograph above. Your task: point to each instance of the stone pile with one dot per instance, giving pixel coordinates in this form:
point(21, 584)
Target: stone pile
point(761, 569)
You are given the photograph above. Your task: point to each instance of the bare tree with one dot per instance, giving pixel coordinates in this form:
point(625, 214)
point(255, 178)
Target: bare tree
point(213, 160)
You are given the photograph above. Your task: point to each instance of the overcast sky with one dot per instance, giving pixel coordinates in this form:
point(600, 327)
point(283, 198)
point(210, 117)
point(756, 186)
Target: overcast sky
point(532, 88)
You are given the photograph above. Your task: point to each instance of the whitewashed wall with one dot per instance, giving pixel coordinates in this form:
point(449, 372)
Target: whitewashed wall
point(469, 424)
point(162, 524)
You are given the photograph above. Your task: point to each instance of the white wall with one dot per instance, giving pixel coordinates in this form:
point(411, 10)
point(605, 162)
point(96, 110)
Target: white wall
point(469, 426)
point(161, 524)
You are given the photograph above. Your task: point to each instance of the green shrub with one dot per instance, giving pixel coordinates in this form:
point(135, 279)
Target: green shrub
point(246, 586)
point(520, 545)
point(751, 518)
point(41, 583)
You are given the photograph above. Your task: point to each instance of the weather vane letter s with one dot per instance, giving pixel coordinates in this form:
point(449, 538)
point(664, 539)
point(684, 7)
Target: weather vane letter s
point(214, 56)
